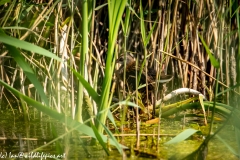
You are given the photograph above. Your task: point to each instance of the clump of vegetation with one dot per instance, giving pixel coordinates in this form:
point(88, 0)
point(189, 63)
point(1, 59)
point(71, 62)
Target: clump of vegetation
point(59, 58)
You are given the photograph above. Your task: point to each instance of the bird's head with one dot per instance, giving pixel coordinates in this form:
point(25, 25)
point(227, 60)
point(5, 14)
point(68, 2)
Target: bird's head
point(129, 59)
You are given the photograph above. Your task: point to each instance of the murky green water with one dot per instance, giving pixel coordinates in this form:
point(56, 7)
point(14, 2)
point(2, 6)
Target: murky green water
point(19, 139)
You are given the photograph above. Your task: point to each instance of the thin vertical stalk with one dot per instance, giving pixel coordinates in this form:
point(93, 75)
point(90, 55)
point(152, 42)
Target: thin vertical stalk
point(94, 79)
point(84, 51)
point(137, 109)
point(238, 48)
point(214, 103)
point(72, 44)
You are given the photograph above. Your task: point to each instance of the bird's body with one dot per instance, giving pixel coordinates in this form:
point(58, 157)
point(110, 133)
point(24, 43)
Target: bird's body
point(148, 78)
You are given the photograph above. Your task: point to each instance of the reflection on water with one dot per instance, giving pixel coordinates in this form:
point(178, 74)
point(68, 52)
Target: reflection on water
point(37, 138)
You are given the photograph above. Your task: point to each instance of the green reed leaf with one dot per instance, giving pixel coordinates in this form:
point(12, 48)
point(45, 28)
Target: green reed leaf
point(214, 62)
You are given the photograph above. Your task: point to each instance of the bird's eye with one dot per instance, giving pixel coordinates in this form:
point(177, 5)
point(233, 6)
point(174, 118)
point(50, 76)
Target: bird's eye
point(121, 59)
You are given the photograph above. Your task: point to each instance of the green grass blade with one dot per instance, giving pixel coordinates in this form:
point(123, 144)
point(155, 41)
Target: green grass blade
point(87, 86)
point(146, 41)
point(214, 62)
point(113, 138)
point(28, 71)
point(143, 33)
point(99, 138)
point(115, 10)
point(84, 52)
point(101, 6)
point(26, 46)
